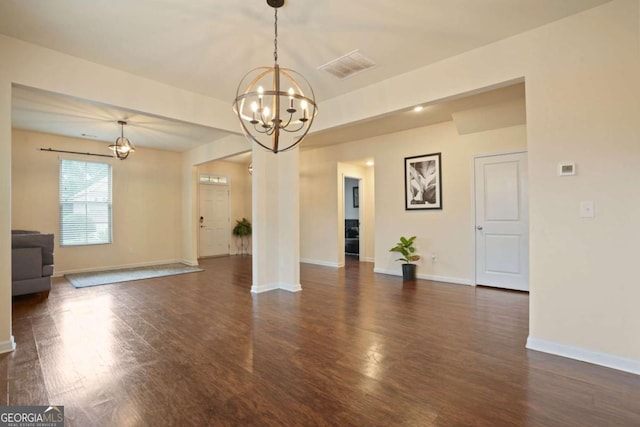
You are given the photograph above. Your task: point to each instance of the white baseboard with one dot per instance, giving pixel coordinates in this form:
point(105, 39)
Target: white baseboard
point(120, 267)
point(290, 287)
point(258, 289)
point(331, 264)
point(266, 287)
point(584, 355)
point(456, 280)
point(238, 253)
point(7, 346)
point(322, 263)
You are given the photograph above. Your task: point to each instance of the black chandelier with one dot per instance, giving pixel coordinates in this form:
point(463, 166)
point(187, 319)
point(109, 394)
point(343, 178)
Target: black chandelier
point(122, 147)
point(274, 118)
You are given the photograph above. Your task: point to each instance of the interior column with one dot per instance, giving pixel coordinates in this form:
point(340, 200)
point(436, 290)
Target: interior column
point(276, 221)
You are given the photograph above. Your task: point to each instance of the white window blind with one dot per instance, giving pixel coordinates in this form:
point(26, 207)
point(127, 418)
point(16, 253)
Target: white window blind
point(85, 203)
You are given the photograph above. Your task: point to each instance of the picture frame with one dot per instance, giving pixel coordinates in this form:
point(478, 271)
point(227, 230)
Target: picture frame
point(356, 197)
point(423, 182)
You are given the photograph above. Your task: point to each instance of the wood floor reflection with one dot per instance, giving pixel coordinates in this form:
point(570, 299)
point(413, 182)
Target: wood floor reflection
point(353, 348)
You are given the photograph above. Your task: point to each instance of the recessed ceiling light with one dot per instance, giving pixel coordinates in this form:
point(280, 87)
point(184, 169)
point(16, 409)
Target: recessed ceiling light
point(417, 108)
point(370, 163)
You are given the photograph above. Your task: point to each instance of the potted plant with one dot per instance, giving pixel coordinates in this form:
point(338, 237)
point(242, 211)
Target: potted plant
point(242, 230)
point(405, 247)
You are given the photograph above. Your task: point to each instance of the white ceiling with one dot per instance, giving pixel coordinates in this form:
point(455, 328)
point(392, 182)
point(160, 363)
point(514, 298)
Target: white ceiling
point(443, 111)
point(206, 46)
point(48, 112)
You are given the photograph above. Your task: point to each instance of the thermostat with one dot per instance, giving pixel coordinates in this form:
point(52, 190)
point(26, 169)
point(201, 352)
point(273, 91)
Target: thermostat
point(566, 168)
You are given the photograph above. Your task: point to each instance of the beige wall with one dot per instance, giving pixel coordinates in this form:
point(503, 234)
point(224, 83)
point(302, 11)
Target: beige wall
point(583, 105)
point(322, 173)
point(319, 232)
point(146, 201)
point(239, 192)
point(447, 232)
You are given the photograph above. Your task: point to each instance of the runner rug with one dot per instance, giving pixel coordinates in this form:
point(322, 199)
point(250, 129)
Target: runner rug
point(96, 278)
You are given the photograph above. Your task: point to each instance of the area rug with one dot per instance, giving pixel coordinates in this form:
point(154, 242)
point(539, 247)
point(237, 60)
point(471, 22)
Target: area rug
point(83, 280)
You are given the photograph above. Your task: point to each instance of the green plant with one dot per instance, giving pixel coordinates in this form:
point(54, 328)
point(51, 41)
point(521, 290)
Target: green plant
point(242, 231)
point(242, 228)
point(405, 247)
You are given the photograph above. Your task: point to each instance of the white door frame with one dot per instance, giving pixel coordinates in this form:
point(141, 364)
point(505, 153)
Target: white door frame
point(360, 210)
point(473, 205)
point(341, 218)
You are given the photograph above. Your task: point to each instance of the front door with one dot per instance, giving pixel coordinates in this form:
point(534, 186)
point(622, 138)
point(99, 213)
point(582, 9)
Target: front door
point(214, 220)
point(502, 221)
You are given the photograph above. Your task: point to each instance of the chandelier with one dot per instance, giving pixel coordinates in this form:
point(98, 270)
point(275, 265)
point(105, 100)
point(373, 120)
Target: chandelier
point(123, 147)
point(276, 106)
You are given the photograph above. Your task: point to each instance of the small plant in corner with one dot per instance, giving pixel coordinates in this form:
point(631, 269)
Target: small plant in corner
point(242, 231)
point(407, 250)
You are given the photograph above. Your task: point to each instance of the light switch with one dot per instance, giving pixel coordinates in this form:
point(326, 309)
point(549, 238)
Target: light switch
point(586, 209)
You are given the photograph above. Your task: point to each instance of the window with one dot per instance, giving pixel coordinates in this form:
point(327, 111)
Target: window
point(213, 179)
point(85, 203)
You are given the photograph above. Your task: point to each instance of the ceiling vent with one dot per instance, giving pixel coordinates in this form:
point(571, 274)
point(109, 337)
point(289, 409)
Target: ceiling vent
point(348, 65)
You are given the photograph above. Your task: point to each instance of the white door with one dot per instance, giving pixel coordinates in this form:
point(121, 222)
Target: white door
point(214, 220)
point(502, 221)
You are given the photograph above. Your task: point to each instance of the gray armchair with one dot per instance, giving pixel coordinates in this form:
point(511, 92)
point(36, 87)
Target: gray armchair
point(31, 262)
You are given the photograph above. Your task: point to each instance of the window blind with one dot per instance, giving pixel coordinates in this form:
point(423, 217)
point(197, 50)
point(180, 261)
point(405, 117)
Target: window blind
point(85, 203)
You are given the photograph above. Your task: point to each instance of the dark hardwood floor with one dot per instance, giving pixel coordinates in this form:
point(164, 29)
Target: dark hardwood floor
point(353, 348)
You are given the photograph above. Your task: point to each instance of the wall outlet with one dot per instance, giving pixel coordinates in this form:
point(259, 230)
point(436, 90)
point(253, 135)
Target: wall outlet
point(587, 209)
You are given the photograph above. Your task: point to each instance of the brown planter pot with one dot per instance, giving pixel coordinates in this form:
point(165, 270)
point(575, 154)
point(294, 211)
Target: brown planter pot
point(408, 272)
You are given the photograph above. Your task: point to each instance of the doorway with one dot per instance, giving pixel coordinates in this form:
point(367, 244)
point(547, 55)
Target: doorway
point(214, 220)
point(352, 217)
point(502, 221)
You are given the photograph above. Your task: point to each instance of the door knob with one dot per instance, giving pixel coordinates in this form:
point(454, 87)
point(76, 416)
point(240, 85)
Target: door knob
point(479, 227)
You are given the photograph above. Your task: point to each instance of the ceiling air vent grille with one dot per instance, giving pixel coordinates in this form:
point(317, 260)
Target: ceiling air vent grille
point(348, 65)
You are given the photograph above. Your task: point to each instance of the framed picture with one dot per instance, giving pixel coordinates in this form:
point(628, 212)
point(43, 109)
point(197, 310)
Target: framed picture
point(356, 197)
point(423, 182)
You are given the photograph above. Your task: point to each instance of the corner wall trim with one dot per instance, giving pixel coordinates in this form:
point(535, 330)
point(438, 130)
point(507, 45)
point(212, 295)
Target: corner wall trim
point(189, 262)
point(456, 280)
point(290, 287)
point(7, 346)
point(265, 287)
point(584, 355)
point(258, 289)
